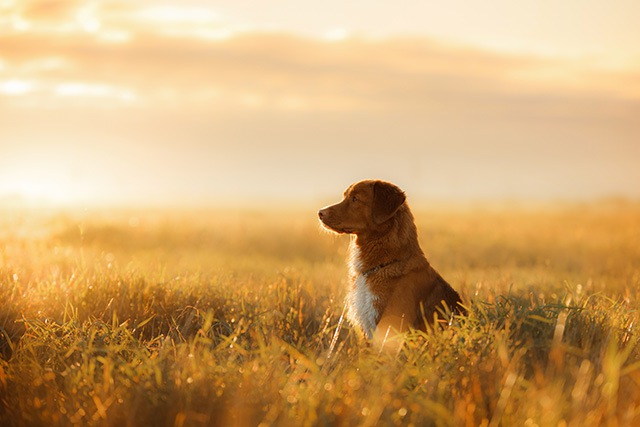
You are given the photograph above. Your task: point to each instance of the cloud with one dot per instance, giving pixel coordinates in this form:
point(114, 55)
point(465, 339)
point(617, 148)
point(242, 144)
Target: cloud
point(186, 56)
point(270, 70)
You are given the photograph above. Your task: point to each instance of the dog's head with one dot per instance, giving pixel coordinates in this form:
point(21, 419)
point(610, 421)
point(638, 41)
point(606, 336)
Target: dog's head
point(366, 206)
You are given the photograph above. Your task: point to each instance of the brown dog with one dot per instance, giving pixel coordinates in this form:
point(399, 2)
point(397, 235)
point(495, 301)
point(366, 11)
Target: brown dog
point(392, 285)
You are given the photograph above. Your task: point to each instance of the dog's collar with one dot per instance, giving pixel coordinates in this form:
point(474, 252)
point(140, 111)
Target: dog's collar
point(378, 268)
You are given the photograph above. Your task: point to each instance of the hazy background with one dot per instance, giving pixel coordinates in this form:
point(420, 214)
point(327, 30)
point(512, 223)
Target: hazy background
point(203, 102)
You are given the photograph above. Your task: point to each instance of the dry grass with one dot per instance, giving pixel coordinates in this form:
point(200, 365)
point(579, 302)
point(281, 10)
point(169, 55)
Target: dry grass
point(222, 318)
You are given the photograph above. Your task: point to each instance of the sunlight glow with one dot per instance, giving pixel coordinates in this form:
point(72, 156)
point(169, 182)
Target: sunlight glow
point(93, 90)
point(38, 186)
point(114, 36)
point(46, 63)
point(174, 14)
point(336, 35)
point(90, 25)
point(16, 87)
point(82, 89)
point(190, 22)
point(43, 191)
point(87, 18)
point(213, 34)
point(217, 34)
point(20, 24)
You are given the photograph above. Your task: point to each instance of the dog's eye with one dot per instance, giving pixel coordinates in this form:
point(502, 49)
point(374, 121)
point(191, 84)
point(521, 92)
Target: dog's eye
point(354, 199)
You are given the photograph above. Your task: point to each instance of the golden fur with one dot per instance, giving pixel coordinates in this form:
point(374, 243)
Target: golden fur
point(392, 285)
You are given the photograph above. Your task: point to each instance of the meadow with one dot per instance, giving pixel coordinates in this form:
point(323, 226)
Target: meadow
point(124, 317)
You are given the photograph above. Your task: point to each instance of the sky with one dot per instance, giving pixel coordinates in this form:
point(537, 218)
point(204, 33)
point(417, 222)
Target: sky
point(205, 102)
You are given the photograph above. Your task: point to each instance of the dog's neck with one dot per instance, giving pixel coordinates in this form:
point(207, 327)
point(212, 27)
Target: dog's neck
point(378, 250)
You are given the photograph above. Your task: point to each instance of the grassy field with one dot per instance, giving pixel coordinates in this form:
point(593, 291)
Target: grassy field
point(208, 317)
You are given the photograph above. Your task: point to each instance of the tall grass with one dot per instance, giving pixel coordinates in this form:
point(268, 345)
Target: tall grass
point(236, 318)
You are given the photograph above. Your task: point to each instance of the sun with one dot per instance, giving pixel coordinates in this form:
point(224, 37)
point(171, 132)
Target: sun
point(43, 192)
point(38, 185)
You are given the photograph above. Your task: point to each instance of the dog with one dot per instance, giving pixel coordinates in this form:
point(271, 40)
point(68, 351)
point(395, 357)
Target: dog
point(392, 285)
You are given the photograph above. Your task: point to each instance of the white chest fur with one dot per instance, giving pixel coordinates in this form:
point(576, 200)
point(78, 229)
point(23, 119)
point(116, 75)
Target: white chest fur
point(362, 310)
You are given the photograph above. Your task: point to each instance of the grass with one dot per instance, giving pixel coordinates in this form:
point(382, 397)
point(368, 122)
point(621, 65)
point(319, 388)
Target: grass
point(236, 318)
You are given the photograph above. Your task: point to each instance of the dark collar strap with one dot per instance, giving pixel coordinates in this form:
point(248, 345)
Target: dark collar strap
point(378, 268)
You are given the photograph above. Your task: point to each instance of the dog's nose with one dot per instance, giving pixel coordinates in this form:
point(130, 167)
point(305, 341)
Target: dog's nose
point(323, 214)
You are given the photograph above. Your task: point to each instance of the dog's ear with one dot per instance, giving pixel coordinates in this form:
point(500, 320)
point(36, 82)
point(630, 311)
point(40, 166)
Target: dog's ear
point(387, 199)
